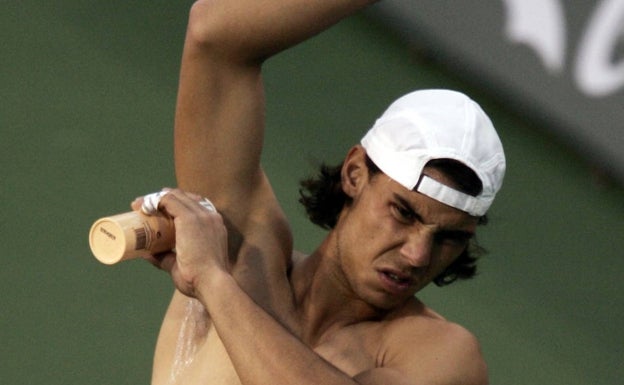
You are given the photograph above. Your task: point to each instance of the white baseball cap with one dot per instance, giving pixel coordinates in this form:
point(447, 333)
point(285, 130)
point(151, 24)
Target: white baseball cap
point(437, 124)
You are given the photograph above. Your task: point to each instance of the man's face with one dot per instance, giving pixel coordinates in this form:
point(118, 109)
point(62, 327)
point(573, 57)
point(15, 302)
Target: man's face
point(392, 241)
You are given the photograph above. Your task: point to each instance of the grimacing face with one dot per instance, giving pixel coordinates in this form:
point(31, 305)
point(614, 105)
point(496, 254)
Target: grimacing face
point(392, 242)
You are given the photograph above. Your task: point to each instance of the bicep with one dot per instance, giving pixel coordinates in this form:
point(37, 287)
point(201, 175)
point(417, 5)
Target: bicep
point(428, 376)
point(438, 353)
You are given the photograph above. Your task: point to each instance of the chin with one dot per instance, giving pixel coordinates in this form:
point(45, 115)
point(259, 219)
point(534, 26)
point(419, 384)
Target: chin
point(387, 302)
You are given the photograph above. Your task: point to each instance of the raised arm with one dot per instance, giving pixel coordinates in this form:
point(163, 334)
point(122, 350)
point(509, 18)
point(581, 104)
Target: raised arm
point(219, 129)
point(219, 125)
point(220, 110)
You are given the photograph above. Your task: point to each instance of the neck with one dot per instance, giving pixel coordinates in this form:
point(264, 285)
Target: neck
point(324, 299)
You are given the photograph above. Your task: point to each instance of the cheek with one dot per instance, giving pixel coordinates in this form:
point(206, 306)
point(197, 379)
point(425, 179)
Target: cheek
point(365, 222)
point(368, 230)
point(445, 256)
point(360, 242)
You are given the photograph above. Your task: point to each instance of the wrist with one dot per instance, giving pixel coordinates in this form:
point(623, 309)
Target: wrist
point(213, 286)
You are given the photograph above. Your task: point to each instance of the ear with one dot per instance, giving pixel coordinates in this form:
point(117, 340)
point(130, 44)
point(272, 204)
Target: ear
point(354, 173)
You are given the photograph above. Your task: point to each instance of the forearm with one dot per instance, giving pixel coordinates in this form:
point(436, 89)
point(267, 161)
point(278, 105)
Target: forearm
point(253, 30)
point(262, 350)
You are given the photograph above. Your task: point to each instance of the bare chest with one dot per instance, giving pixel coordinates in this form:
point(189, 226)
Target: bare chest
point(207, 363)
point(351, 350)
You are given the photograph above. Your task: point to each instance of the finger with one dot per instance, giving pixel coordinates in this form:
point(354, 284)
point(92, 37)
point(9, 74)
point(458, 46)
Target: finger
point(136, 203)
point(164, 261)
point(150, 202)
point(193, 196)
point(199, 199)
point(177, 202)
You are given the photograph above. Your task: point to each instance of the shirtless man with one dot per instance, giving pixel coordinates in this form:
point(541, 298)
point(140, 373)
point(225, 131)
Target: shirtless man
point(244, 311)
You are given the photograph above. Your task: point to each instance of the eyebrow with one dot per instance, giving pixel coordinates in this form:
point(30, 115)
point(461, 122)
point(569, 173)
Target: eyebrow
point(407, 206)
point(453, 232)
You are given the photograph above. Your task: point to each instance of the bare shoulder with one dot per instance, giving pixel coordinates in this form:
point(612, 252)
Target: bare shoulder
point(423, 346)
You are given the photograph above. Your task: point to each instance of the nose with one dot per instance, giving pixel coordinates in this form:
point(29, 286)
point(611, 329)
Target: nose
point(418, 247)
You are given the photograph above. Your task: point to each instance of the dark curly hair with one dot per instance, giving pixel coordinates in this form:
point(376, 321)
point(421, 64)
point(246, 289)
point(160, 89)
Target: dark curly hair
point(323, 199)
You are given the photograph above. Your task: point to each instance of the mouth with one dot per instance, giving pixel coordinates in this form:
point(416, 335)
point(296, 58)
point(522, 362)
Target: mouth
point(394, 281)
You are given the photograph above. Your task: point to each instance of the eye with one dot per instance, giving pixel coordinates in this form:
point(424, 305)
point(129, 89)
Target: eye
point(404, 214)
point(453, 238)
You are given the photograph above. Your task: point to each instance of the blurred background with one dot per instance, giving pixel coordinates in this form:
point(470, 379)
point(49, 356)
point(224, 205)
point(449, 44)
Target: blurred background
point(87, 93)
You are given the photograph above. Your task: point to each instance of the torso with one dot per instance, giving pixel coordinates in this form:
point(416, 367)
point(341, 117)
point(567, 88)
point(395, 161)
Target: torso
point(352, 349)
point(347, 350)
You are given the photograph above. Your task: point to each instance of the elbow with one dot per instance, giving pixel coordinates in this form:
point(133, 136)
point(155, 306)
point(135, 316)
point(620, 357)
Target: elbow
point(205, 26)
point(214, 28)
